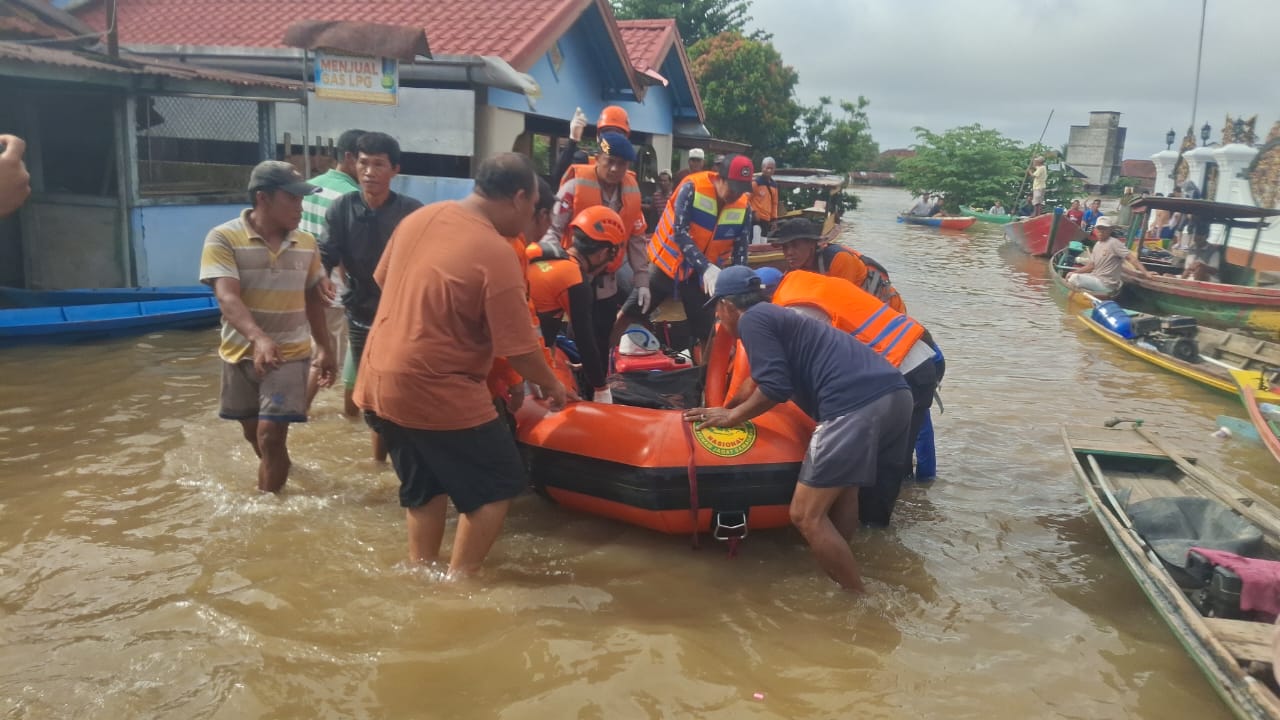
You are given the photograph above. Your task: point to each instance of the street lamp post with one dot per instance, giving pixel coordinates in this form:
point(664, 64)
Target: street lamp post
point(1238, 135)
point(1204, 134)
point(1205, 130)
point(1169, 138)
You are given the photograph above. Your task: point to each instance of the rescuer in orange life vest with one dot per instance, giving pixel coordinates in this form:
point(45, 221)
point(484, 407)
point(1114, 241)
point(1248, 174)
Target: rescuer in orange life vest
point(894, 336)
point(798, 238)
point(612, 119)
point(560, 285)
point(606, 183)
point(705, 227)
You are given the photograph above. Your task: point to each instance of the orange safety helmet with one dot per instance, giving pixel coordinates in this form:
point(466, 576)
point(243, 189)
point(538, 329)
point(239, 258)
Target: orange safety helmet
point(602, 225)
point(614, 117)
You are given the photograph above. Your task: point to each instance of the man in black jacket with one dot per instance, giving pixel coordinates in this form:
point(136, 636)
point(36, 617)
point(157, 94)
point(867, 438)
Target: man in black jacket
point(358, 226)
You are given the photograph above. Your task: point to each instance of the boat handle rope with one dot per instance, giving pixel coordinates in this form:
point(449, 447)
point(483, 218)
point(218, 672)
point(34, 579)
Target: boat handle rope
point(693, 478)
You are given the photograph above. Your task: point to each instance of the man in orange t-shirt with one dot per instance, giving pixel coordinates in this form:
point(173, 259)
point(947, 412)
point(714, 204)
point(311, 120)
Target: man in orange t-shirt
point(452, 300)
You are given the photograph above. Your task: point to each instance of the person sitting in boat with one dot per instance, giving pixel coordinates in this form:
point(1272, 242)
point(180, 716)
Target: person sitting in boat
point(706, 225)
point(1076, 213)
point(560, 285)
point(1204, 260)
point(922, 207)
point(860, 402)
point(1104, 272)
point(937, 207)
point(799, 239)
point(1092, 214)
point(1027, 207)
point(997, 209)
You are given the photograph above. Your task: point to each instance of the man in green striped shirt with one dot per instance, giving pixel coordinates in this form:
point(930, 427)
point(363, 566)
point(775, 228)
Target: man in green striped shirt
point(334, 184)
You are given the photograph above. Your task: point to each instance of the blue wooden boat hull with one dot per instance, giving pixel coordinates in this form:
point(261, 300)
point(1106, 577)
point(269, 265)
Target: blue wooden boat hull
point(78, 322)
point(21, 297)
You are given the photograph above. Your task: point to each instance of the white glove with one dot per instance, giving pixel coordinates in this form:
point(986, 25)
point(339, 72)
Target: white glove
point(709, 280)
point(643, 298)
point(603, 395)
point(577, 125)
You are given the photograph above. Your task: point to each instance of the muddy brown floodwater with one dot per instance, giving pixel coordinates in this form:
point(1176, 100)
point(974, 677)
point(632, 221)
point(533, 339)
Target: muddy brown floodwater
point(141, 576)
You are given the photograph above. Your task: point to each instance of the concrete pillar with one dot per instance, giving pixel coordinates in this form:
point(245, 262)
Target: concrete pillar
point(1198, 161)
point(1166, 161)
point(1233, 160)
point(496, 131)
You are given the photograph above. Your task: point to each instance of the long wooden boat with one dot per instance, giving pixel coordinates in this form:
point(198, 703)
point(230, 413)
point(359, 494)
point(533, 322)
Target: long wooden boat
point(1075, 298)
point(1254, 385)
point(1127, 475)
point(824, 189)
point(950, 222)
point(80, 322)
point(1215, 354)
point(1032, 234)
point(967, 211)
point(22, 297)
point(1240, 299)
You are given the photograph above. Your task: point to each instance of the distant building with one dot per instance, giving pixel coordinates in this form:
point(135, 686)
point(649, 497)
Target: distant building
point(1097, 149)
point(1144, 171)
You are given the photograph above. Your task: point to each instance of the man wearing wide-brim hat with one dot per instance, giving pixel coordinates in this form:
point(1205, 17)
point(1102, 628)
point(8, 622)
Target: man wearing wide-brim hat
point(1104, 273)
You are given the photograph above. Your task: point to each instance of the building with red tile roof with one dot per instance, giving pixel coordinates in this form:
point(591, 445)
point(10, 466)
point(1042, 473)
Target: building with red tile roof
point(78, 106)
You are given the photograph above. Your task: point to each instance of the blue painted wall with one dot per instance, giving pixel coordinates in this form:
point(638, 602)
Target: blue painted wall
point(579, 84)
point(171, 236)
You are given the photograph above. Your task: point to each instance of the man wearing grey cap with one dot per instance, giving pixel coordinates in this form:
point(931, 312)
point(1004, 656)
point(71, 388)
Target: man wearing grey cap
point(266, 274)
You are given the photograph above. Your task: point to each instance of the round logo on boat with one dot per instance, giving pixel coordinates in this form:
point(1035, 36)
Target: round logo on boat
point(727, 442)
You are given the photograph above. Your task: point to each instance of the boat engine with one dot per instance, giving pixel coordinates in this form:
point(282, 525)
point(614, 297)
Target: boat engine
point(1174, 335)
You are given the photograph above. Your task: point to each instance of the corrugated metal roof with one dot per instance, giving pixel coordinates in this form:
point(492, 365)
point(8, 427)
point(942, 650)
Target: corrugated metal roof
point(135, 65)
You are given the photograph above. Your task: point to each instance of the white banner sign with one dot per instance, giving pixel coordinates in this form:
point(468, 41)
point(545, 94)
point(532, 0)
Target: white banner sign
point(356, 79)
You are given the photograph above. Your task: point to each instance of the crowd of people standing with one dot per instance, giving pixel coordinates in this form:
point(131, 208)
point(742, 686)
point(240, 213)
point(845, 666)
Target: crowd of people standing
point(441, 319)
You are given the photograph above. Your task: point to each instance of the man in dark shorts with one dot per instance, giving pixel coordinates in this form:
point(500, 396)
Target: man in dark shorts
point(452, 300)
point(860, 402)
point(357, 228)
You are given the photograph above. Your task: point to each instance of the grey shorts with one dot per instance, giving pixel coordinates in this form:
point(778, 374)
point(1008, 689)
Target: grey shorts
point(1037, 197)
point(849, 451)
point(280, 396)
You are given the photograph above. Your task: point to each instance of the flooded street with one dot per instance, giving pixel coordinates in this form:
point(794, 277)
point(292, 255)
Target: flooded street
point(142, 577)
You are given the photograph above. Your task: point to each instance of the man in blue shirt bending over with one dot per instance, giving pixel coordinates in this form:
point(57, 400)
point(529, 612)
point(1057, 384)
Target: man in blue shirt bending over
point(860, 402)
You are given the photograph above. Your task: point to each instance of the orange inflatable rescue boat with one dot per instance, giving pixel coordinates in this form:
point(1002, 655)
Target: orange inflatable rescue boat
point(648, 467)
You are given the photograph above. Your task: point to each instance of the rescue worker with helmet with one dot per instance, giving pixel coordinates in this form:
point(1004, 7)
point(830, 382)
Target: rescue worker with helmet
point(607, 183)
point(705, 227)
point(799, 240)
point(612, 119)
point(561, 283)
point(896, 337)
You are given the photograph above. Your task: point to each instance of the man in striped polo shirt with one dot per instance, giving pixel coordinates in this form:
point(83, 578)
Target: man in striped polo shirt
point(266, 275)
point(334, 184)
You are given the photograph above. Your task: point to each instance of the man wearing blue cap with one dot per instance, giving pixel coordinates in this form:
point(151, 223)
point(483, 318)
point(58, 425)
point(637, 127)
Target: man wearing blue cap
point(606, 183)
point(860, 402)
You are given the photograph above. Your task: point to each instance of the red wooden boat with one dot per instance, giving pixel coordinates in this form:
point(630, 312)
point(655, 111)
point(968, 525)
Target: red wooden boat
point(1031, 235)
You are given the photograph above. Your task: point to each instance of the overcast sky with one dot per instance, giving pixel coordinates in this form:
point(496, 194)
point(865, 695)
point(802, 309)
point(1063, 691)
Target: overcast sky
point(1007, 63)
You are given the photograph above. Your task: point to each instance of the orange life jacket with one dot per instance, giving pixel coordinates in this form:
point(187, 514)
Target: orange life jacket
point(875, 277)
point(855, 311)
point(502, 377)
point(549, 280)
point(713, 228)
point(764, 201)
point(586, 193)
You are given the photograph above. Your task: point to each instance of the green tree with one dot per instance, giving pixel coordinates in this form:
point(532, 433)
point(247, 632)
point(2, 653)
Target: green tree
point(746, 90)
point(697, 19)
point(839, 143)
point(973, 165)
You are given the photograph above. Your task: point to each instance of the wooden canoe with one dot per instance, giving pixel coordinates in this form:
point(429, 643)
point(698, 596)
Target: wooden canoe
point(950, 222)
point(967, 211)
point(81, 322)
point(1212, 303)
point(1254, 387)
point(1031, 235)
point(1219, 351)
point(1121, 467)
